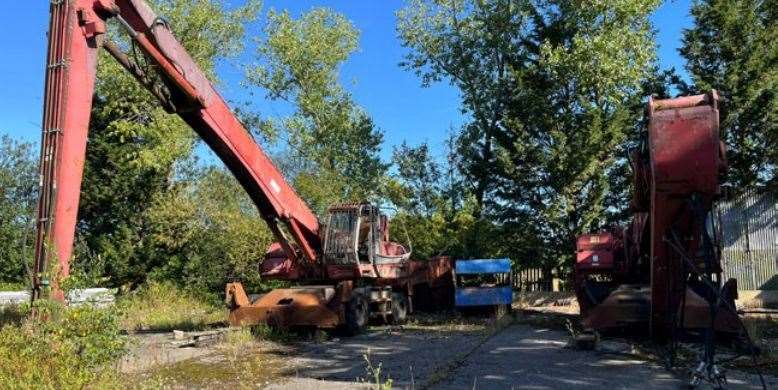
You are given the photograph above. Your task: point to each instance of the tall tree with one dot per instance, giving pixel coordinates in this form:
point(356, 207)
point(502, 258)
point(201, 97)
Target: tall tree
point(470, 44)
point(733, 47)
point(549, 87)
point(208, 232)
point(334, 142)
point(432, 213)
point(421, 176)
point(18, 191)
point(135, 147)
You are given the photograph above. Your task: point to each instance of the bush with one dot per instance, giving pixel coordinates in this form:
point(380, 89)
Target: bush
point(12, 315)
point(72, 348)
point(165, 306)
point(12, 286)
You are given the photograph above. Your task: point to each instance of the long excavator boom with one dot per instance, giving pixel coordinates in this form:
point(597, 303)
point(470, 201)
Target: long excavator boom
point(77, 31)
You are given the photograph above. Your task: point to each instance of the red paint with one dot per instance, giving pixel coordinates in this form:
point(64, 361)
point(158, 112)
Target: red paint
point(70, 78)
point(68, 97)
point(596, 251)
point(684, 158)
point(679, 172)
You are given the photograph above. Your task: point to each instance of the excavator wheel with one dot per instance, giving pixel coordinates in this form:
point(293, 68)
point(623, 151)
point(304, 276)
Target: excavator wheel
point(357, 315)
point(399, 308)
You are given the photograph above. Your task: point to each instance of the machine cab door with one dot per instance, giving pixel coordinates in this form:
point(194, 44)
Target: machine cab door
point(350, 237)
point(356, 241)
point(341, 235)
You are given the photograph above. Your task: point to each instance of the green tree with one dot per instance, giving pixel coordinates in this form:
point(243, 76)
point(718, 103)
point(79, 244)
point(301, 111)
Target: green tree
point(465, 42)
point(136, 149)
point(333, 144)
point(18, 193)
point(421, 176)
point(434, 216)
point(549, 87)
point(208, 232)
point(733, 47)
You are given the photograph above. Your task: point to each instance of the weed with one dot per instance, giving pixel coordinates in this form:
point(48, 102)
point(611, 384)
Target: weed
point(63, 348)
point(239, 337)
point(165, 306)
point(374, 374)
point(13, 314)
point(764, 334)
point(266, 332)
point(319, 336)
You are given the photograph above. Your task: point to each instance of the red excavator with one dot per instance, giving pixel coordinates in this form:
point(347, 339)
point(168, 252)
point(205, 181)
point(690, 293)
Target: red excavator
point(662, 272)
point(348, 269)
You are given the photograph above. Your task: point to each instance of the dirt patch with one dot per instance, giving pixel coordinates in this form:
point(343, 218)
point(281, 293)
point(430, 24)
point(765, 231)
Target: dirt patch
point(157, 362)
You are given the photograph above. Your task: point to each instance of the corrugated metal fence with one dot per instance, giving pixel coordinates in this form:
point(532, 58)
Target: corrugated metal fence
point(749, 230)
point(749, 244)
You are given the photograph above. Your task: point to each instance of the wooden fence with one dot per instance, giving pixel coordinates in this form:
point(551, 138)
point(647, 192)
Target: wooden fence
point(531, 279)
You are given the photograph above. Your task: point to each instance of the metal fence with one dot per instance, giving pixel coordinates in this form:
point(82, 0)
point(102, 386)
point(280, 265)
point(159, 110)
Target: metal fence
point(749, 242)
point(531, 279)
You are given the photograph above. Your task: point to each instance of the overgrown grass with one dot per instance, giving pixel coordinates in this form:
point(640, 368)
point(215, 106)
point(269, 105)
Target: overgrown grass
point(242, 361)
point(763, 331)
point(73, 348)
point(239, 337)
point(165, 306)
point(12, 315)
point(13, 286)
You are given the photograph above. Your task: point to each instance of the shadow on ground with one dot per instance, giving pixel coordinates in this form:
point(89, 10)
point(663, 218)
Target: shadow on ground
point(519, 356)
point(407, 356)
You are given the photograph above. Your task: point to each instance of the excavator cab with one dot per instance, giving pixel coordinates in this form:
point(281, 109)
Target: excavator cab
point(356, 242)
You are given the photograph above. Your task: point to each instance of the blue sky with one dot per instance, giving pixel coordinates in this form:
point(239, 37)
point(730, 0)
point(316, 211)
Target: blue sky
point(400, 106)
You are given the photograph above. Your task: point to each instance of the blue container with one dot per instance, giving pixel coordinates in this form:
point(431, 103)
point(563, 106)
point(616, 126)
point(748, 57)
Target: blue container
point(483, 266)
point(483, 296)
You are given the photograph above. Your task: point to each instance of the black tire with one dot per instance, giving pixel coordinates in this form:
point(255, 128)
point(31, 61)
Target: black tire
point(399, 308)
point(357, 315)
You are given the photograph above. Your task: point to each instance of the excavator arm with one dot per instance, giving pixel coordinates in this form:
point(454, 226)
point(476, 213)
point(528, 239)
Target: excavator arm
point(77, 31)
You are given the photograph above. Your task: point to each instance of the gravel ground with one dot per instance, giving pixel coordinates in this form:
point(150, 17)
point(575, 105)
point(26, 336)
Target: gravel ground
point(408, 357)
point(525, 357)
point(517, 357)
point(440, 355)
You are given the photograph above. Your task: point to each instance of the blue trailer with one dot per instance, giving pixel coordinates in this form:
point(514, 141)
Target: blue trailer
point(482, 283)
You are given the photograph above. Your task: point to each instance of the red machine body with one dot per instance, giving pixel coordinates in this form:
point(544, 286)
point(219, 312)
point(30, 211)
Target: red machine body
point(354, 246)
point(651, 271)
point(597, 251)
